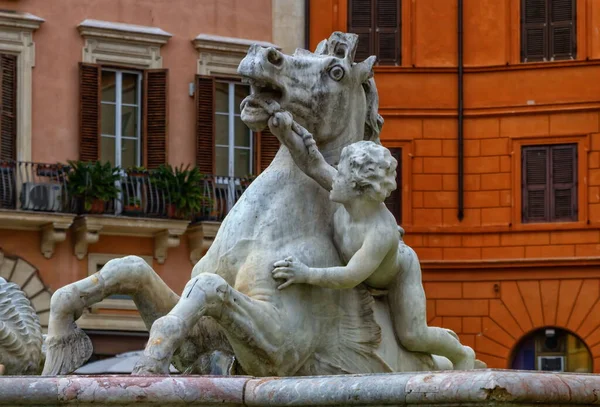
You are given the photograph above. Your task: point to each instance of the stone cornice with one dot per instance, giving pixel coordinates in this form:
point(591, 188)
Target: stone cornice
point(216, 43)
point(123, 32)
point(20, 20)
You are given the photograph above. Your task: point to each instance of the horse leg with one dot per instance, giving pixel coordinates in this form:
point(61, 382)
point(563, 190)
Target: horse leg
point(68, 347)
point(253, 327)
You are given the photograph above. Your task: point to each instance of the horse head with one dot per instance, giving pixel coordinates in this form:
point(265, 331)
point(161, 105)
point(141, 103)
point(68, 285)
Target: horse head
point(328, 93)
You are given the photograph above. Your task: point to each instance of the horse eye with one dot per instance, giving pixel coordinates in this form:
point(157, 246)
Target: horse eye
point(336, 73)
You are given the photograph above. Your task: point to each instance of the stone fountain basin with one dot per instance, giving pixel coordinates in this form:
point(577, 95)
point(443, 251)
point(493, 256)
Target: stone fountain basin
point(474, 388)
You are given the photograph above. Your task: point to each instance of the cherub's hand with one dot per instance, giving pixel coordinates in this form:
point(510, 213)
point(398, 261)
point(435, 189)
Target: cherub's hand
point(291, 270)
point(280, 124)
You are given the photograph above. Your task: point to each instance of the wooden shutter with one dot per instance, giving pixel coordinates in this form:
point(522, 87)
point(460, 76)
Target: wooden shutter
point(360, 21)
point(155, 117)
point(205, 124)
point(8, 109)
point(387, 42)
point(89, 112)
point(269, 145)
point(549, 183)
point(534, 33)
point(394, 201)
point(548, 30)
point(563, 202)
point(562, 29)
point(535, 192)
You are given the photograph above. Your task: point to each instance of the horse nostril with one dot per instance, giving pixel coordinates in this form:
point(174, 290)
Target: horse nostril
point(274, 57)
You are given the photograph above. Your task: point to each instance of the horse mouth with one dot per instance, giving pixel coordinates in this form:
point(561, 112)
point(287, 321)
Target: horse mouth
point(263, 101)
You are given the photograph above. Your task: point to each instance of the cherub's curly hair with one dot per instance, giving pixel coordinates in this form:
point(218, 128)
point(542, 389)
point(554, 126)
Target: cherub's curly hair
point(372, 168)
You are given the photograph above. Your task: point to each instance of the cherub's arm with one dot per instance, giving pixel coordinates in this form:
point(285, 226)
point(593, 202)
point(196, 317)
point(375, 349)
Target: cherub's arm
point(364, 263)
point(303, 148)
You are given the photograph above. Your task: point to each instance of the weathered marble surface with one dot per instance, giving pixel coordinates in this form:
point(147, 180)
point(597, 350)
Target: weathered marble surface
point(474, 388)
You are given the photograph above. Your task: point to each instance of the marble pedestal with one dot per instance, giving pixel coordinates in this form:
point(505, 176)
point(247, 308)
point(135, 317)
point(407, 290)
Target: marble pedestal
point(473, 388)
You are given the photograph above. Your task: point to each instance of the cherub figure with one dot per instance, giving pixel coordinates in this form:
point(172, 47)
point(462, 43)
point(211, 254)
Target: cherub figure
point(368, 240)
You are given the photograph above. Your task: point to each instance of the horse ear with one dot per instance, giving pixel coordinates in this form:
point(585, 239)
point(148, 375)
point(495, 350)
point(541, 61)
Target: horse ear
point(321, 48)
point(364, 69)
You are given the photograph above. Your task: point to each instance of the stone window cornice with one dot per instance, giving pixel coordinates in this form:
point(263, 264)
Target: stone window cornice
point(220, 56)
point(122, 44)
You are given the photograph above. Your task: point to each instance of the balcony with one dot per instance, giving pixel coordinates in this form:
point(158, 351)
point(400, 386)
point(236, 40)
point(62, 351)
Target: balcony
point(35, 196)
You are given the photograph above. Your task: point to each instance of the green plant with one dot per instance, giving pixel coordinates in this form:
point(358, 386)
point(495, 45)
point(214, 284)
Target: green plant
point(183, 187)
point(91, 181)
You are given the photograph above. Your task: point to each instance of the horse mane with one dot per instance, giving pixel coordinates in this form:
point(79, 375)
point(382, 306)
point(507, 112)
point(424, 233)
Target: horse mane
point(373, 120)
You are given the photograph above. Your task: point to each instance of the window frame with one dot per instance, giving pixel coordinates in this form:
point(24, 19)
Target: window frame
point(374, 31)
point(118, 113)
point(231, 115)
point(547, 27)
point(405, 167)
point(583, 146)
point(550, 197)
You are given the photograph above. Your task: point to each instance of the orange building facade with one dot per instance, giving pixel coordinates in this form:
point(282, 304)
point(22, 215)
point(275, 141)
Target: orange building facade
point(518, 277)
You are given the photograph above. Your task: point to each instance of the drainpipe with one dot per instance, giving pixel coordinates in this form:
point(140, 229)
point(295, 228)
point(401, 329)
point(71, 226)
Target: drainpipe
point(307, 24)
point(461, 185)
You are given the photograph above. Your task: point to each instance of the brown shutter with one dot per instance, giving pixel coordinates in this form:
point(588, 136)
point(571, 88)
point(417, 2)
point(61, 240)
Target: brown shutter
point(564, 182)
point(156, 114)
point(535, 179)
point(205, 124)
point(534, 34)
point(388, 32)
point(89, 112)
point(8, 112)
point(269, 145)
point(394, 201)
point(360, 21)
point(562, 29)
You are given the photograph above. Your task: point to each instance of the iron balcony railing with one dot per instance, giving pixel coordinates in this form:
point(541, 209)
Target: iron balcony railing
point(34, 187)
point(41, 187)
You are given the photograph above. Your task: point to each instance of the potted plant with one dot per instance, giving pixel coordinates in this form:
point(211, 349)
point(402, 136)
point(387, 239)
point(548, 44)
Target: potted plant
point(136, 172)
point(133, 206)
point(182, 188)
point(93, 184)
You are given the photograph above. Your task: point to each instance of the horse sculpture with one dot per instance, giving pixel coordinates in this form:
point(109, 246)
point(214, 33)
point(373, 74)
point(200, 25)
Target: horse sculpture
point(231, 318)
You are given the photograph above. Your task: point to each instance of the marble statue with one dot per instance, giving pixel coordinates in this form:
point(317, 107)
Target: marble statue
point(20, 333)
point(366, 235)
point(231, 317)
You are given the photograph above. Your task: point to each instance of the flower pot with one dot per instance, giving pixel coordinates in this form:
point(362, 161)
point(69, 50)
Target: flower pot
point(98, 206)
point(133, 210)
point(172, 211)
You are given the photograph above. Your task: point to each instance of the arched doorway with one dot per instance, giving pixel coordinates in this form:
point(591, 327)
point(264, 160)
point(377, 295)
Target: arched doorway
point(552, 349)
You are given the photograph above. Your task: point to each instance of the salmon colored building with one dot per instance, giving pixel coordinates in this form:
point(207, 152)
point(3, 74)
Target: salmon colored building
point(494, 108)
point(132, 83)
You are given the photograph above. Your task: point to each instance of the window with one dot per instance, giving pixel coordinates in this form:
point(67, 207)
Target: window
point(377, 23)
point(121, 118)
point(233, 139)
point(549, 183)
point(8, 107)
point(548, 30)
point(552, 349)
point(394, 201)
point(123, 115)
point(224, 145)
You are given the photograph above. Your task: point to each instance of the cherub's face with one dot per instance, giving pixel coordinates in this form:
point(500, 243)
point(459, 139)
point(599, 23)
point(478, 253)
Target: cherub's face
point(343, 189)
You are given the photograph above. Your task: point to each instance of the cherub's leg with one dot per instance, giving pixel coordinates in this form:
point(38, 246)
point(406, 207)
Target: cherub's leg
point(254, 329)
point(68, 346)
point(408, 308)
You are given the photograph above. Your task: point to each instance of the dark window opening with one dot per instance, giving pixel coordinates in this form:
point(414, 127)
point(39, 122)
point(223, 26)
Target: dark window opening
point(377, 23)
point(548, 30)
point(549, 183)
